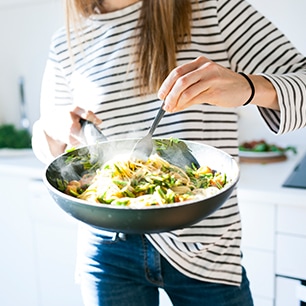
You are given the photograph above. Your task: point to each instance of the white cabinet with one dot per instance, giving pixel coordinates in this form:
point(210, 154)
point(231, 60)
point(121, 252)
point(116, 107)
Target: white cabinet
point(273, 233)
point(38, 242)
point(274, 251)
point(290, 292)
point(17, 264)
point(290, 255)
point(258, 239)
point(258, 224)
point(55, 235)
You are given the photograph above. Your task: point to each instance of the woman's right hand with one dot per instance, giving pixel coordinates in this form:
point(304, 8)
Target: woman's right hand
point(63, 130)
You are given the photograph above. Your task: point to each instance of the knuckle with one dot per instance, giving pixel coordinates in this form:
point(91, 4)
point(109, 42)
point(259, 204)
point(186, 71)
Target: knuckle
point(183, 82)
point(177, 72)
point(186, 95)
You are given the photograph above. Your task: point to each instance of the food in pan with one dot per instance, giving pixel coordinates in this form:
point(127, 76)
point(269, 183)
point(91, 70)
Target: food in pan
point(140, 184)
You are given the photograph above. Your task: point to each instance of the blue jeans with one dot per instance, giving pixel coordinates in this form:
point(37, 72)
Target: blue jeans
point(127, 270)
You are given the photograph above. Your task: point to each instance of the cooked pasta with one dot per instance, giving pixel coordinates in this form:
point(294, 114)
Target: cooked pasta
point(150, 183)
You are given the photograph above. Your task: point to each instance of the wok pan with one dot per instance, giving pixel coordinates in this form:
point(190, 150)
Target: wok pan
point(137, 220)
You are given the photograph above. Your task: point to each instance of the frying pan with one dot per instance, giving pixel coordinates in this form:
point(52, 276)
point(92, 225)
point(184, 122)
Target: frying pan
point(137, 220)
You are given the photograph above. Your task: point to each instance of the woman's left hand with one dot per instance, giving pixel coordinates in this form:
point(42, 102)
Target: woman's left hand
point(203, 81)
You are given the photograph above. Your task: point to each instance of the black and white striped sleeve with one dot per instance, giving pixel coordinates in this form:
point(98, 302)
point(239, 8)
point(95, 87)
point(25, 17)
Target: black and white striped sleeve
point(256, 46)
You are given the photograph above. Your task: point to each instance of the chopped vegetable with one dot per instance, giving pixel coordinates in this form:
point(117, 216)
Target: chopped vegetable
point(263, 146)
point(140, 184)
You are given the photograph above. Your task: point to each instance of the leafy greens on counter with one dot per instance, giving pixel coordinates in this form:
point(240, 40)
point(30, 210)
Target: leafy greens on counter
point(13, 138)
point(263, 146)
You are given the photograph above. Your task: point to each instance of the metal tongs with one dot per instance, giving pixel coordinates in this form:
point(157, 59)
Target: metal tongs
point(144, 147)
point(91, 134)
point(178, 153)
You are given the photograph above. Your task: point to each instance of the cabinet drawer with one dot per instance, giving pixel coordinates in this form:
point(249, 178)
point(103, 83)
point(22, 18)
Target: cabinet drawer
point(289, 292)
point(291, 220)
point(290, 256)
point(260, 271)
point(55, 265)
point(258, 225)
point(259, 301)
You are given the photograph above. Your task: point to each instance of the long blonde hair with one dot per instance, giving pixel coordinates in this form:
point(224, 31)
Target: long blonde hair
point(165, 25)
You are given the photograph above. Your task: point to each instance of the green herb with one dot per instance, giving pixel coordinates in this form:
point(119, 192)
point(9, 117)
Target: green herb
point(86, 160)
point(13, 138)
point(121, 202)
point(61, 184)
point(263, 146)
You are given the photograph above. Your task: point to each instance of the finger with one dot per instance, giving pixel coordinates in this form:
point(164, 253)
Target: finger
point(87, 115)
point(177, 73)
point(184, 85)
point(91, 116)
point(198, 93)
point(78, 111)
point(187, 89)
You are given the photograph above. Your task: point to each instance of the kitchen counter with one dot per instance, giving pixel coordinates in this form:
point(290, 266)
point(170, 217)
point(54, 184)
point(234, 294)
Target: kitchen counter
point(266, 180)
point(21, 163)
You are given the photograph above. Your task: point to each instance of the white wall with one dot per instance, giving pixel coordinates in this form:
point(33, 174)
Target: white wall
point(289, 16)
point(26, 27)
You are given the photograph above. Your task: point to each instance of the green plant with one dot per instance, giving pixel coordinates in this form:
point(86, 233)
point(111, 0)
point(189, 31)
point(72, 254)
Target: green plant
point(13, 138)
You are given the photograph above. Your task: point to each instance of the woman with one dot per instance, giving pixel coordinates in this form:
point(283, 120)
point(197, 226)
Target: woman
point(108, 69)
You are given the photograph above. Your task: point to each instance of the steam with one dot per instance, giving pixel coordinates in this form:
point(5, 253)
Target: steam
point(70, 166)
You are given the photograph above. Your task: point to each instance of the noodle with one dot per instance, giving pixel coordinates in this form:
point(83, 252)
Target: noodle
point(140, 184)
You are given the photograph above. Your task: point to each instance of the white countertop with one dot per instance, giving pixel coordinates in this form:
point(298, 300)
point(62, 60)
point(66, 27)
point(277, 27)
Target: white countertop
point(21, 163)
point(264, 181)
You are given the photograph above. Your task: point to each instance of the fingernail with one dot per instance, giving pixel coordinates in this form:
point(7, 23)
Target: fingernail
point(160, 96)
point(167, 108)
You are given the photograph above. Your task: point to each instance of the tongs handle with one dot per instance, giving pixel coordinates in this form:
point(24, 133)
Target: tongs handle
point(91, 133)
point(157, 119)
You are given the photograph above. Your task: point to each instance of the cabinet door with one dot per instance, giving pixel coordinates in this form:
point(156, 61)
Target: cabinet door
point(290, 256)
point(17, 264)
point(258, 224)
point(56, 257)
point(287, 292)
point(258, 236)
point(55, 235)
point(291, 220)
point(260, 271)
point(259, 301)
